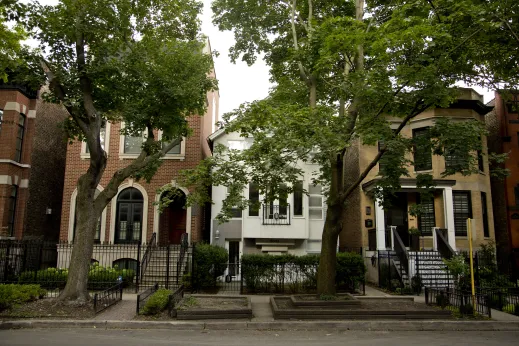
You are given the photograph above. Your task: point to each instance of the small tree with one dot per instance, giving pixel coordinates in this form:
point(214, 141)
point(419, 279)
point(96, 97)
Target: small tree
point(140, 62)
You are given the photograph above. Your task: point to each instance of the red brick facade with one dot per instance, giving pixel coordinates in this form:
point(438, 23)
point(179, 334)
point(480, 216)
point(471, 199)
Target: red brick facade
point(16, 173)
point(196, 148)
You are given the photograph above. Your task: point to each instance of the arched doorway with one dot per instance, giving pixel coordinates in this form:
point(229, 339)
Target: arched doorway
point(128, 228)
point(173, 219)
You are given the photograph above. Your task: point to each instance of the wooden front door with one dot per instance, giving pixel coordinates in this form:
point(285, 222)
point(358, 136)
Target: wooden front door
point(178, 224)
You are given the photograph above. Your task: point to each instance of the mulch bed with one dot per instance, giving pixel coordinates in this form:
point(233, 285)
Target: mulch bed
point(216, 303)
point(366, 305)
point(49, 308)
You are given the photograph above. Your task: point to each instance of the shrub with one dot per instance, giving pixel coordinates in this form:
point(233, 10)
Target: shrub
point(416, 284)
point(395, 283)
point(511, 308)
point(497, 302)
point(350, 269)
point(157, 302)
point(466, 309)
point(14, 294)
point(407, 290)
point(442, 300)
point(210, 262)
point(49, 278)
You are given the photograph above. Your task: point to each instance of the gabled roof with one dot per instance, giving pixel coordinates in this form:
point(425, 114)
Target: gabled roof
point(213, 136)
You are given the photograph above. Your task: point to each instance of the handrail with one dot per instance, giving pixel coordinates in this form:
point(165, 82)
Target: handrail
point(276, 214)
point(183, 247)
point(147, 255)
point(401, 251)
point(443, 245)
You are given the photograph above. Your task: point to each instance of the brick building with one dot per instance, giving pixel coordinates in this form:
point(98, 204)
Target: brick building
point(503, 127)
point(132, 217)
point(32, 162)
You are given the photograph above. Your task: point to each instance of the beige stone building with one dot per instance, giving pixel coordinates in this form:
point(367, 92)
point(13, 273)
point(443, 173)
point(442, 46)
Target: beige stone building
point(456, 197)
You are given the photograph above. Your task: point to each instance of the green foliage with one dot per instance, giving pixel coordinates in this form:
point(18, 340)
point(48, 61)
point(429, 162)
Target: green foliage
point(99, 277)
point(460, 270)
point(186, 281)
point(497, 301)
point(416, 284)
point(210, 262)
point(467, 309)
point(512, 309)
point(442, 300)
point(12, 294)
point(489, 275)
point(299, 273)
point(157, 302)
point(327, 297)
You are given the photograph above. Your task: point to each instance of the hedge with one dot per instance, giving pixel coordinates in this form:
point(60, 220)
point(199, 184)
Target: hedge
point(14, 294)
point(99, 277)
point(157, 302)
point(209, 262)
point(290, 273)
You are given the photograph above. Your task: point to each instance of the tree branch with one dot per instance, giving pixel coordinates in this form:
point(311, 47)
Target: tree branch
point(302, 72)
point(512, 31)
point(343, 195)
point(434, 10)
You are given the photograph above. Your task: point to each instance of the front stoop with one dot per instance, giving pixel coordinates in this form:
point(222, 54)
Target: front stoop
point(372, 325)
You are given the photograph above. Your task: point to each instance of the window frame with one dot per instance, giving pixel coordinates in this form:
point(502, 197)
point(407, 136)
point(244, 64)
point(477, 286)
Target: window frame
point(484, 210)
point(122, 139)
point(84, 148)
point(296, 189)
point(131, 201)
point(464, 215)
point(310, 208)
point(234, 209)
point(18, 155)
point(1, 119)
point(427, 233)
point(180, 156)
point(428, 166)
point(258, 202)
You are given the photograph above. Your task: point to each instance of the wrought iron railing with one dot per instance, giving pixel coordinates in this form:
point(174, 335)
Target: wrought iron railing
point(144, 296)
point(401, 251)
point(459, 301)
point(389, 239)
point(443, 245)
point(276, 214)
point(108, 297)
point(183, 248)
point(174, 299)
point(147, 255)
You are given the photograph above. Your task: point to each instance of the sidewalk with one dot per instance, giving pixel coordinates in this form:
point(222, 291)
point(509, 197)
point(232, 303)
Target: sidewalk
point(122, 311)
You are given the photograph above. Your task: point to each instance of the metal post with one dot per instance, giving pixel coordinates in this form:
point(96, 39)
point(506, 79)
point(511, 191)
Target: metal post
point(138, 300)
point(426, 292)
point(95, 302)
point(489, 309)
point(193, 268)
point(138, 272)
point(378, 264)
point(500, 301)
point(167, 265)
point(6, 266)
point(241, 277)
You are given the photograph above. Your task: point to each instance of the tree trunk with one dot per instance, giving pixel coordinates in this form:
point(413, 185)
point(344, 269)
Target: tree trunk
point(328, 261)
point(86, 222)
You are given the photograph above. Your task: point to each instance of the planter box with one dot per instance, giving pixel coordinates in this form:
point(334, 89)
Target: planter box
point(201, 313)
point(304, 300)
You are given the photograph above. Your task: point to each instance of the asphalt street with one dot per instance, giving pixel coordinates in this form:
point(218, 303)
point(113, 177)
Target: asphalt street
point(91, 337)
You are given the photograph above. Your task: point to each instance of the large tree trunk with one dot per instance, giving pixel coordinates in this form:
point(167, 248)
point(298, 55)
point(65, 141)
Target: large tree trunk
point(87, 216)
point(328, 261)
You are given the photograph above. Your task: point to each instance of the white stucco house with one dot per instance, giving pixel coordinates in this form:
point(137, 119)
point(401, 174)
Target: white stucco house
point(293, 226)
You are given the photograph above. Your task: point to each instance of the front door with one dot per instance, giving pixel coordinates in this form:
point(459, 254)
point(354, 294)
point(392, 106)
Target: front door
point(234, 257)
point(129, 222)
point(396, 215)
point(178, 224)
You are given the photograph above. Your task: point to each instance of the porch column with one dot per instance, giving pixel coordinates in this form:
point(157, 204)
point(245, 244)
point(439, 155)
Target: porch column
point(380, 226)
point(448, 203)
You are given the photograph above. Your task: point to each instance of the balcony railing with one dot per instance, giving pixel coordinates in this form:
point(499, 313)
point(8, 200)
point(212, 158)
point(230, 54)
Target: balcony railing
point(276, 214)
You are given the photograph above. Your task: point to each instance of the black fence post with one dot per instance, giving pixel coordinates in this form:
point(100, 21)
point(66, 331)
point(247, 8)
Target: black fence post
point(138, 301)
point(193, 267)
point(489, 309)
point(167, 265)
point(6, 264)
point(500, 301)
point(426, 292)
point(40, 256)
point(378, 264)
point(95, 302)
point(138, 271)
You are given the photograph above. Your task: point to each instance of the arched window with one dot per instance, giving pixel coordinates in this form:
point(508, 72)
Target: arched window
point(125, 263)
point(129, 216)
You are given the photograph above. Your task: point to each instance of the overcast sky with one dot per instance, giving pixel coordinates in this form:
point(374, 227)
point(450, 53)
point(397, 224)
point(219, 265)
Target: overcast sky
point(238, 83)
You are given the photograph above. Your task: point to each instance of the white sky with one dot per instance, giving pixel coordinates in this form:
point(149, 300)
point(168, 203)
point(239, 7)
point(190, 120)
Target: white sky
point(239, 83)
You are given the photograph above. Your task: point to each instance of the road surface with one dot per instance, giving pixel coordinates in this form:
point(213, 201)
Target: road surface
point(94, 337)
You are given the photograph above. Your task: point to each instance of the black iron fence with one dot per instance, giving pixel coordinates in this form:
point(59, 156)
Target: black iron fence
point(144, 296)
point(502, 298)
point(461, 302)
point(108, 297)
point(17, 257)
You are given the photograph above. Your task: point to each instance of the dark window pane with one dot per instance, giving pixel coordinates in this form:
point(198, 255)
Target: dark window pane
point(462, 211)
point(19, 138)
point(298, 199)
point(12, 210)
point(422, 150)
point(253, 200)
point(236, 213)
point(516, 192)
point(486, 230)
point(426, 220)
point(176, 150)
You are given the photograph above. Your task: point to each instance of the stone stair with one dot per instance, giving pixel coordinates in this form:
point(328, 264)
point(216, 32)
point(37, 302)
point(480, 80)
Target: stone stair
point(157, 269)
point(429, 265)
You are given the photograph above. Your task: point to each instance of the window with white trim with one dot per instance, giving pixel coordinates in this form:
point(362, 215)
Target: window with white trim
point(19, 137)
point(133, 144)
point(240, 144)
point(315, 202)
point(236, 213)
point(298, 199)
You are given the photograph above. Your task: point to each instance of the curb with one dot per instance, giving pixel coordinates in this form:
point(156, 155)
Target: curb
point(274, 325)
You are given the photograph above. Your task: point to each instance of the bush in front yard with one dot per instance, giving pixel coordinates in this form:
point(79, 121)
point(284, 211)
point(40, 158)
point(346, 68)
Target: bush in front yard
point(48, 278)
point(210, 262)
point(157, 302)
point(14, 294)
